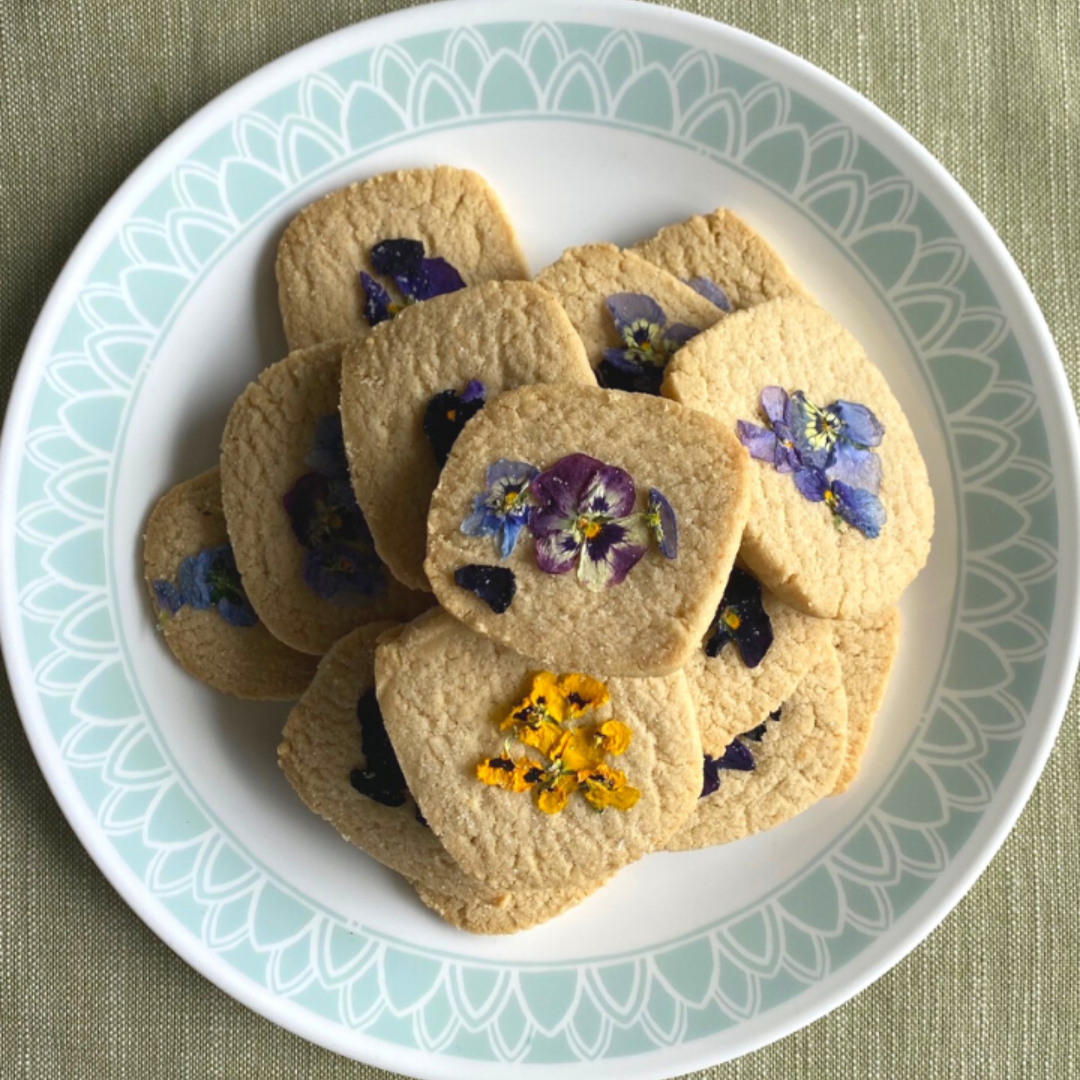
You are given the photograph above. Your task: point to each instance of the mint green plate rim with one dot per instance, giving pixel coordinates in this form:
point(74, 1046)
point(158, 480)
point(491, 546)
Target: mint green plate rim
point(1054, 402)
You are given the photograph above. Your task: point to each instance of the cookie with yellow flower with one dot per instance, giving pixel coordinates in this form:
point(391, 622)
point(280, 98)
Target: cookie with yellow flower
point(409, 389)
point(300, 538)
point(721, 252)
point(841, 511)
point(335, 753)
point(589, 529)
point(785, 764)
point(201, 604)
point(533, 778)
point(356, 257)
point(867, 649)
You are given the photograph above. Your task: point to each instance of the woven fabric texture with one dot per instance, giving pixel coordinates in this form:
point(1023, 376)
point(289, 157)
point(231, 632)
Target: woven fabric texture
point(89, 87)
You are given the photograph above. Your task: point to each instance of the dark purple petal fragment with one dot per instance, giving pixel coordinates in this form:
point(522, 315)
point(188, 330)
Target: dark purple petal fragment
point(663, 524)
point(381, 777)
point(237, 611)
point(344, 574)
point(741, 618)
point(377, 302)
point(861, 510)
point(495, 585)
point(628, 376)
point(711, 779)
point(435, 277)
point(712, 292)
point(396, 259)
point(446, 415)
point(737, 756)
point(811, 483)
point(168, 596)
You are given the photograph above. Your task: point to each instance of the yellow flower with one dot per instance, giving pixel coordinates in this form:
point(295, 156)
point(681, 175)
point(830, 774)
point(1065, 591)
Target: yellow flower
point(505, 773)
point(580, 694)
point(614, 736)
point(605, 788)
point(553, 799)
point(578, 750)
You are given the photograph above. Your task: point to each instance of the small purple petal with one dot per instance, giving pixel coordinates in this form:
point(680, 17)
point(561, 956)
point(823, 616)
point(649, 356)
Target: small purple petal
point(237, 612)
point(811, 483)
point(610, 492)
point(377, 300)
point(677, 335)
point(514, 472)
point(737, 756)
point(193, 579)
point(399, 258)
point(860, 509)
point(436, 277)
point(787, 458)
point(560, 488)
point(495, 585)
point(774, 404)
point(474, 391)
point(711, 778)
point(664, 525)
point(628, 308)
point(761, 442)
point(861, 426)
point(712, 292)
point(168, 596)
point(856, 467)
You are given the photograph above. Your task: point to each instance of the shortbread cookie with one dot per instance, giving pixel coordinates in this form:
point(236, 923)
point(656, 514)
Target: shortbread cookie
point(607, 521)
point(775, 771)
point(407, 391)
point(586, 279)
point(867, 650)
point(754, 654)
point(721, 248)
point(203, 609)
point(335, 753)
point(465, 235)
point(511, 764)
point(308, 561)
point(841, 510)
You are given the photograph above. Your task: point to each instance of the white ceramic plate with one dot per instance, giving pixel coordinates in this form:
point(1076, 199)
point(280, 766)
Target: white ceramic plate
point(604, 121)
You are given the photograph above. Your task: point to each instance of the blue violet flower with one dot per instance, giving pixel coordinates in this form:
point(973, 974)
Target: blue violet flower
point(415, 276)
point(502, 510)
point(741, 618)
point(208, 579)
point(648, 343)
point(447, 413)
point(737, 757)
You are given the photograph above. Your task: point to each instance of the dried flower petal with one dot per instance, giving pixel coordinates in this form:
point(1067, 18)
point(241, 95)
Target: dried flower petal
point(495, 585)
point(660, 517)
point(447, 413)
point(502, 510)
point(741, 617)
point(712, 292)
point(381, 777)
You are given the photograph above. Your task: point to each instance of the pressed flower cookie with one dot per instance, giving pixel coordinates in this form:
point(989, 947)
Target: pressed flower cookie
point(336, 755)
point(301, 542)
point(841, 510)
point(754, 654)
point(631, 315)
point(776, 770)
point(357, 255)
point(407, 390)
point(535, 779)
point(722, 250)
point(867, 649)
point(614, 517)
point(204, 613)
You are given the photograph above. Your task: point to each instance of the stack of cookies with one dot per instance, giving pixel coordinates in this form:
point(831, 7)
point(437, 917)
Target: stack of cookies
point(563, 572)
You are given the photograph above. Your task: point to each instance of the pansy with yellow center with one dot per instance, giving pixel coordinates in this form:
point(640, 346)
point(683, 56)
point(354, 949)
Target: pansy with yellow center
point(741, 618)
point(605, 788)
point(648, 343)
point(502, 509)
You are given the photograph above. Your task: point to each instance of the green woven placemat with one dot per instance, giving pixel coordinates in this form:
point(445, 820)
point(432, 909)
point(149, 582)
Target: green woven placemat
point(89, 87)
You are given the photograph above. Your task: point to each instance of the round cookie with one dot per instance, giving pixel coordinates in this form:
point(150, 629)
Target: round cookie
point(204, 614)
point(323, 745)
point(453, 212)
point(721, 247)
point(867, 650)
point(731, 697)
point(792, 543)
point(445, 693)
point(796, 760)
point(565, 616)
point(583, 278)
point(501, 335)
point(300, 541)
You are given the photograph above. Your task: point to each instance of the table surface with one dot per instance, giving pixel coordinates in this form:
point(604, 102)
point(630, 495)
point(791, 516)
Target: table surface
point(89, 87)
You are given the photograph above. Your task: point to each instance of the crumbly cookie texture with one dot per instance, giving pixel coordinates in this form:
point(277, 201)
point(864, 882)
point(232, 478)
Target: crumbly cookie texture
point(722, 247)
point(791, 544)
point(797, 762)
point(502, 334)
point(651, 622)
point(245, 661)
point(730, 698)
point(584, 277)
point(867, 649)
point(322, 744)
point(322, 251)
point(444, 691)
point(270, 431)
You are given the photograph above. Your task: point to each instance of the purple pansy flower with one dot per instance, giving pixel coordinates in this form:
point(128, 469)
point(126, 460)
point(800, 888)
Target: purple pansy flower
point(502, 510)
point(859, 508)
point(447, 413)
point(660, 518)
point(586, 519)
point(648, 343)
point(712, 292)
point(344, 573)
point(208, 579)
point(741, 618)
point(416, 277)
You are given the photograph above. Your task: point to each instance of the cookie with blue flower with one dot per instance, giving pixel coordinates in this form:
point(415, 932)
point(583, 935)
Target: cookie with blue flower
point(588, 528)
point(202, 606)
point(336, 754)
point(753, 655)
point(723, 257)
point(631, 315)
point(842, 511)
point(358, 256)
point(409, 390)
point(535, 778)
point(867, 649)
point(775, 770)
point(299, 537)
